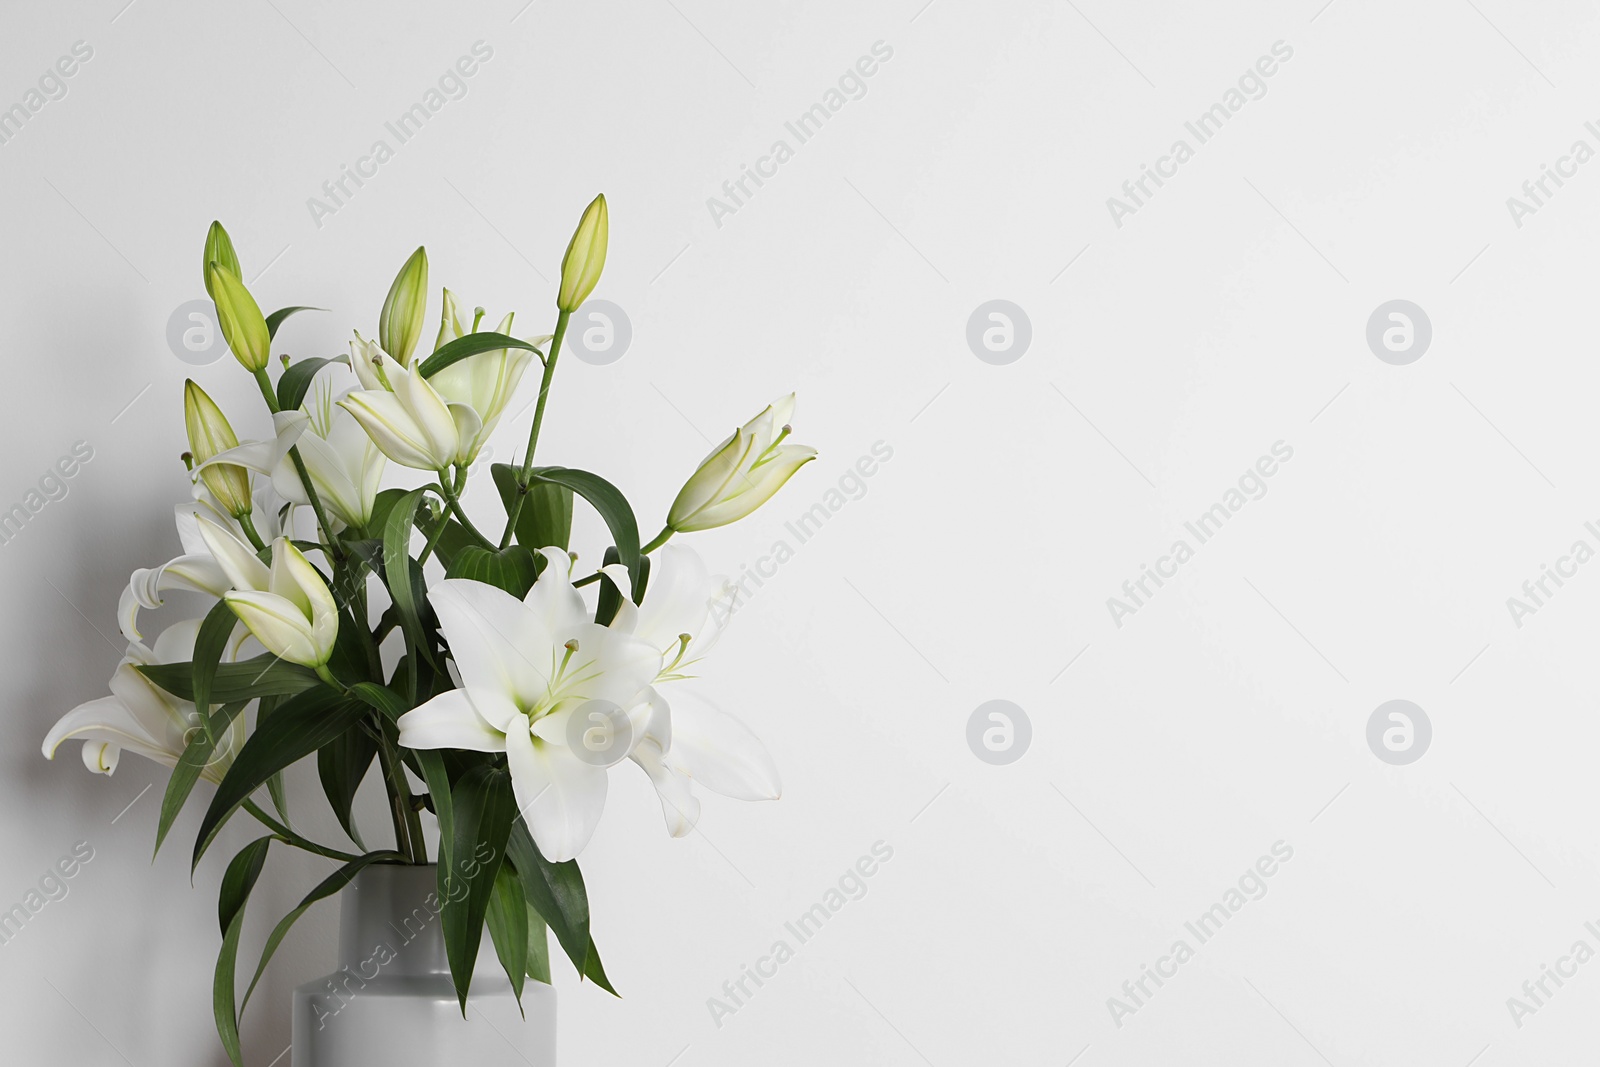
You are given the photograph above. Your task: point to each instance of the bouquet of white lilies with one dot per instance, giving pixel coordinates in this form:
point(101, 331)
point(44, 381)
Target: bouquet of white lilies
point(493, 680)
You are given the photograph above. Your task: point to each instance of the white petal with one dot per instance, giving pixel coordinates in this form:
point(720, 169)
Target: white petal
point(393, 430)
point(145, 586)
point(553, 600)
point(101, 756)
point(679, 806)
point(237, 559)
point(280, 626)
point(106, 721)
point(264, 456)
point(560, 796)
point(498, 644)
point(720, 752)
point(449, 721)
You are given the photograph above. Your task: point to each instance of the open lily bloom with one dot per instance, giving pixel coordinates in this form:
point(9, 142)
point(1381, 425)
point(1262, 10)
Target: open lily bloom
point(344, 464)
point(143, 718)
point(527, 668)
point(683, 614)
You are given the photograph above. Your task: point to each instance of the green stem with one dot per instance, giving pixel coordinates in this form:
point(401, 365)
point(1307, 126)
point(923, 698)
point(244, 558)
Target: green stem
point(433, 539)
point(660, 539)
point(453, 503)
point(533, 431)
point(249, 529)
point(400, 811)
point(293, 838)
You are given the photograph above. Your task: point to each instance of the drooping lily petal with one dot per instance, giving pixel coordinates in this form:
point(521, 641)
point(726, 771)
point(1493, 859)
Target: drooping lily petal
point(141, 717)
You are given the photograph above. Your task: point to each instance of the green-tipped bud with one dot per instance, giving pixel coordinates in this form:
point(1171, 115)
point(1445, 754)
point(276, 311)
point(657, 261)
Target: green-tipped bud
point(210, 436)
point(243, 326)
point(586, 256)
point(400, 324)
point(219, 249)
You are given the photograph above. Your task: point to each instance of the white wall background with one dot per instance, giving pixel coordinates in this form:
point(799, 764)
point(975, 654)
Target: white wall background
point(1169, 353)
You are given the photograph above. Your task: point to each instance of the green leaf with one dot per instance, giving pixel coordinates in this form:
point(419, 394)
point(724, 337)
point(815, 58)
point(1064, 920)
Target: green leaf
point(237, 883)
point(470, 345)
point(381, 697)
point(596, 973)
point(294, 382)
point(280, 802)
point(437, 777)
point(483, 807)
point(512, 569)
point(275, 320)
point(538, 946)
point(209, 644)
point(613, 507)
point(196, 757)
point(298, 728)
point(342, 764)
point(263, 675)
point(402, 574)
point(382, 505)
point(324, 889)
point(508, 927)
point(546, 516)
point(554, 890)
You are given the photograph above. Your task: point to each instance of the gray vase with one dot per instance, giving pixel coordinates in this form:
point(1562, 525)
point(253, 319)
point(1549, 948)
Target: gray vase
point(391, 1002)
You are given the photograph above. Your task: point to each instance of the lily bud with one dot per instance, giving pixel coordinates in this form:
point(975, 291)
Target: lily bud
point(219, 249)
point(243, 326)
point(295, 617)
point(209, 435)
point(742, 473)
point(400, 324)
point(586, 256)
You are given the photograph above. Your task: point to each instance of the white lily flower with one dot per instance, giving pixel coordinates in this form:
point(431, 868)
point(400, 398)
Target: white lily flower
point(287, 607)
point(143, 718)
point(196, 569)
point(683, 614)
point(484, 382)
point(742, 473)
point(345, 465)
point(527, 668)
point(404, 415)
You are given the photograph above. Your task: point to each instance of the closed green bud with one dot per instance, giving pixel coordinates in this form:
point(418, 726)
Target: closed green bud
point(219, 249)
point(400, 324)
point(210, 435)
point(586, 256)
point(243, 326)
